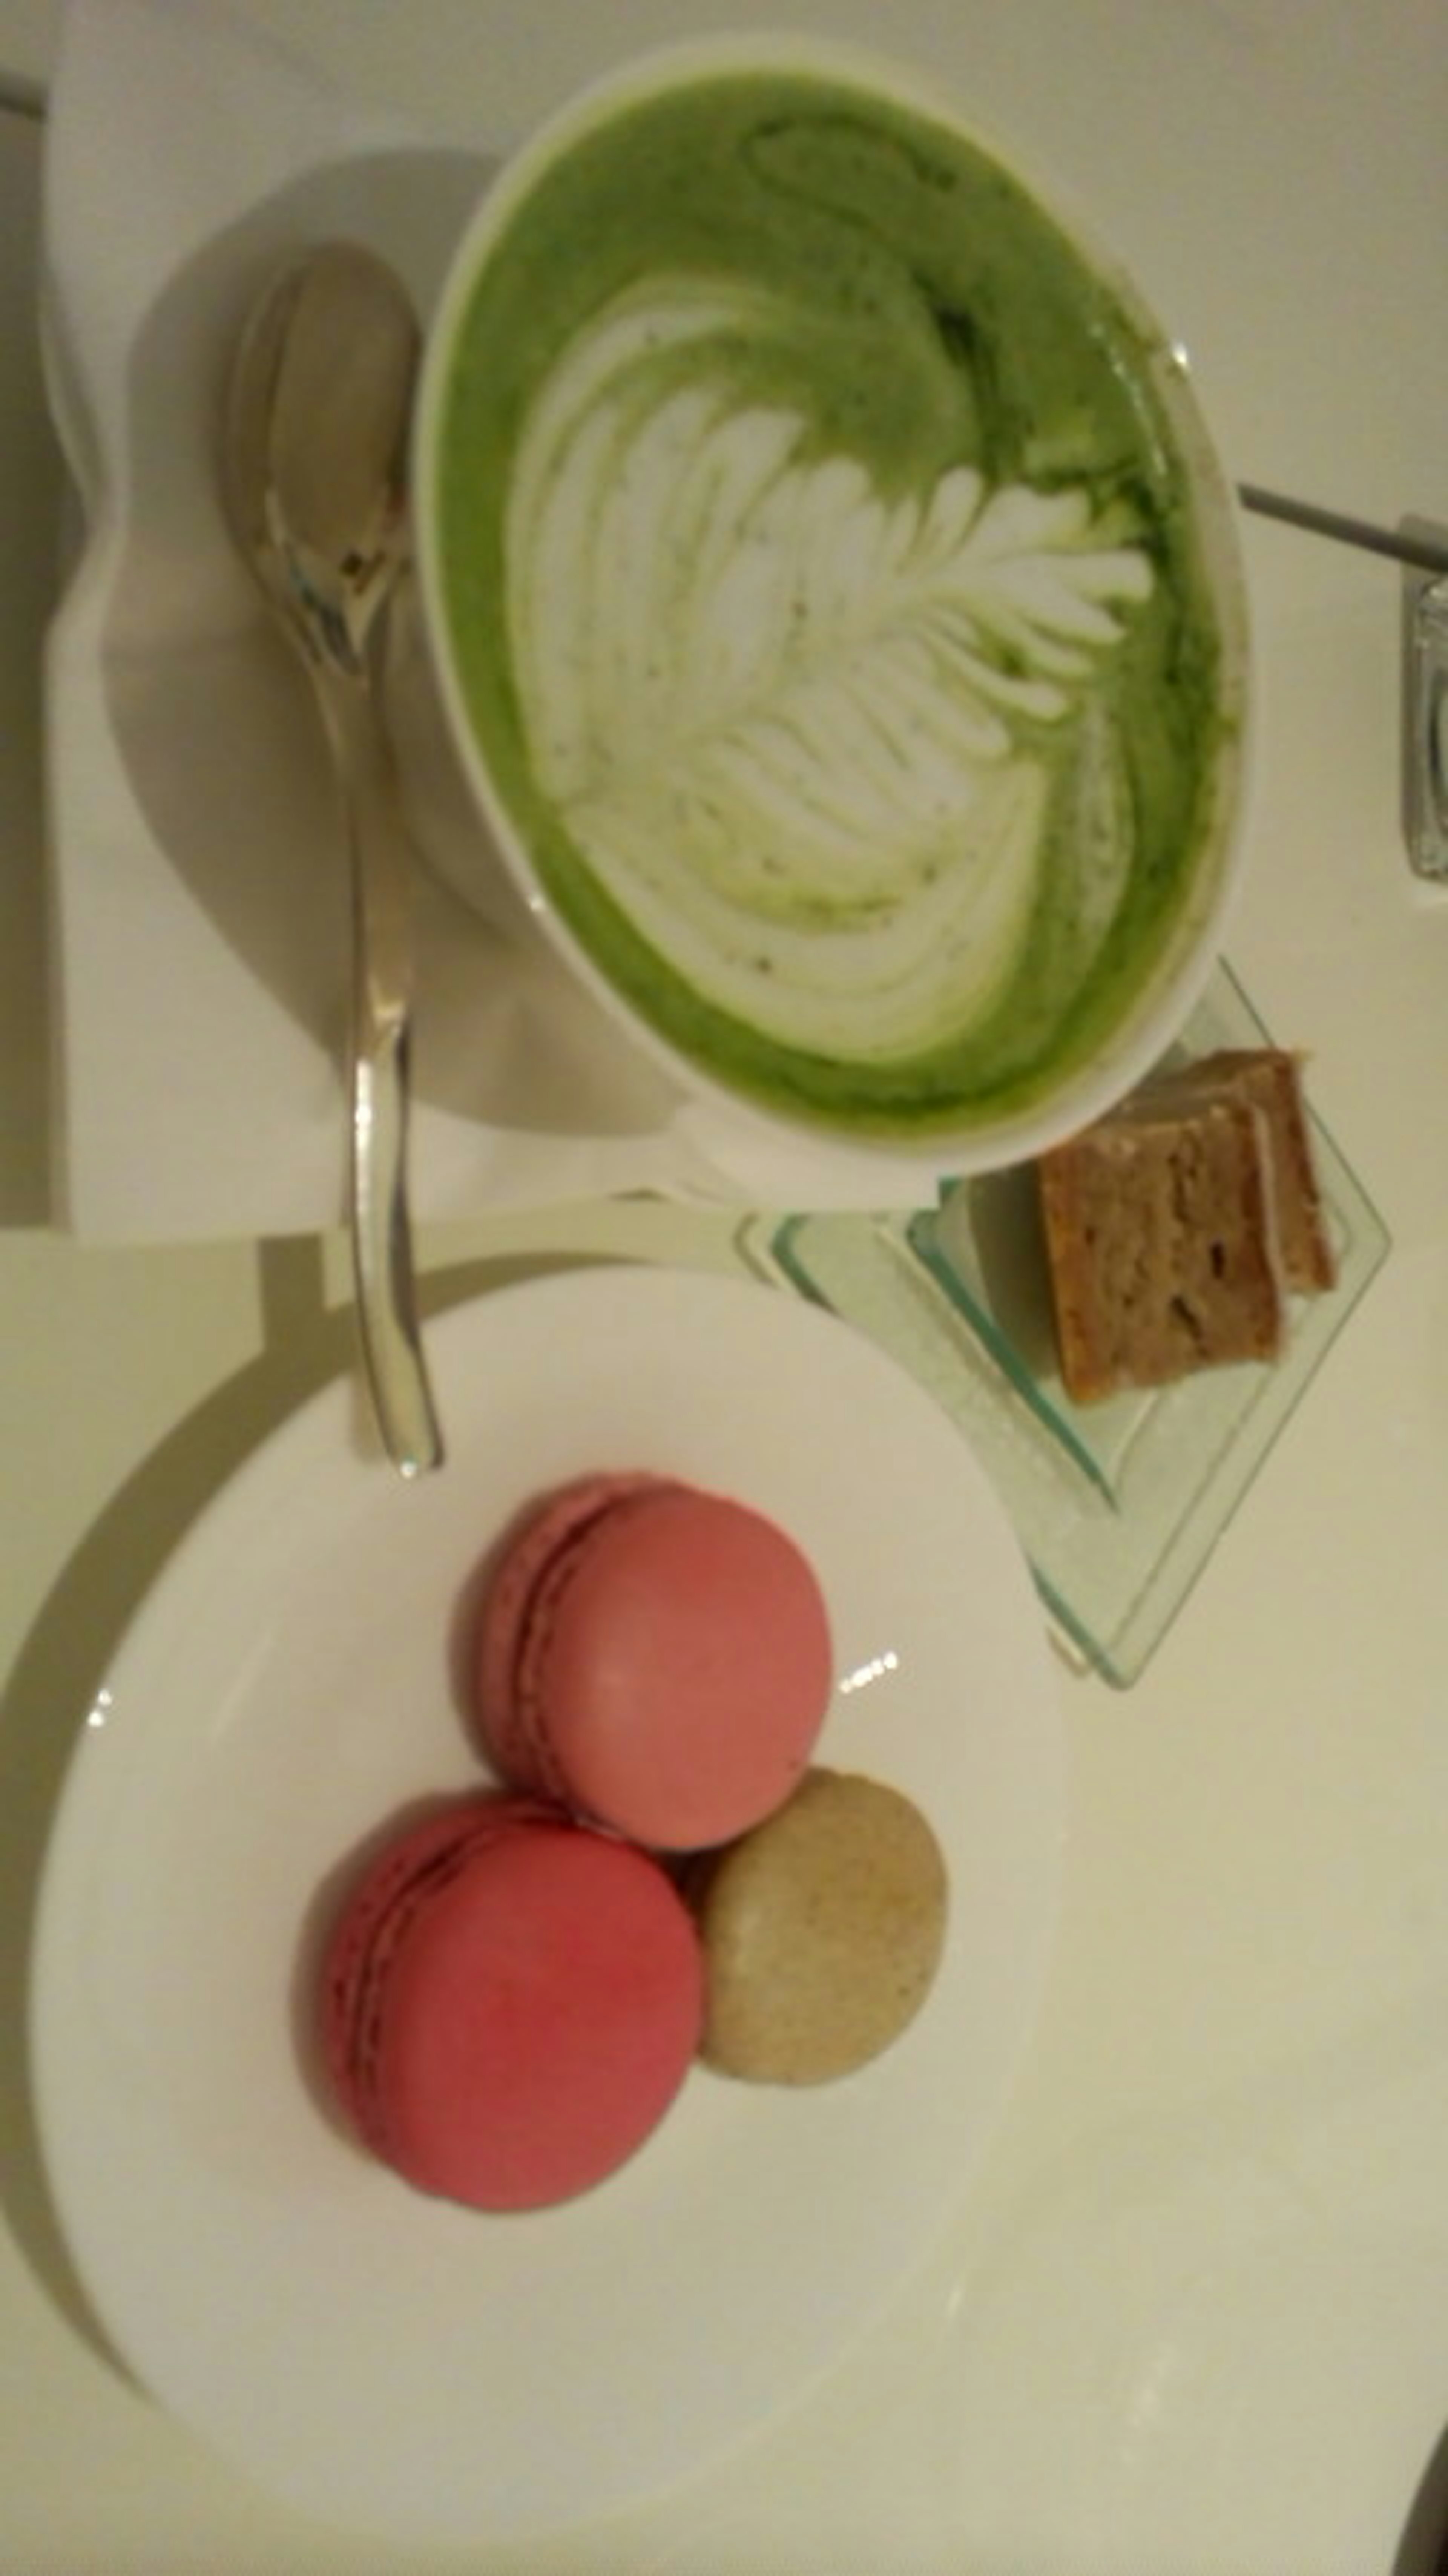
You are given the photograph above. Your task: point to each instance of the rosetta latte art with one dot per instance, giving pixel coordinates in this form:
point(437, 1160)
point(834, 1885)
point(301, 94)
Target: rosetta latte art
point(805, 734)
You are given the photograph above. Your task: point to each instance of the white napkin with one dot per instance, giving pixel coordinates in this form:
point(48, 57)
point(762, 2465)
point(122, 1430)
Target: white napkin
point(200, 897)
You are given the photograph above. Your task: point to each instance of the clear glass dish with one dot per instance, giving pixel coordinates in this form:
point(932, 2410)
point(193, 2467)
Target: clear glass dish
point(1117, 1504)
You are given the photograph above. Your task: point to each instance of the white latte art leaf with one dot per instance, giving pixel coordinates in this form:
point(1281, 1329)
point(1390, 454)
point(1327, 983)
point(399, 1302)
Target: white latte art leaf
point(880, 987)
point(804, 735)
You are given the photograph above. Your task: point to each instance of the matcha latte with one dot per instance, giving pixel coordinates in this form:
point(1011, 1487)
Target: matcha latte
point(835, 598)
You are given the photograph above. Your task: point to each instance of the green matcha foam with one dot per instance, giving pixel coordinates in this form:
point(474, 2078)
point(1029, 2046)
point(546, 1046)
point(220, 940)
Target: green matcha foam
point(824, 597)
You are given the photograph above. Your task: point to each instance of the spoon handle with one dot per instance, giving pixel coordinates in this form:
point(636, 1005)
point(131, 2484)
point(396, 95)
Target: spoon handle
point(382, 1263)
point(1419, 546)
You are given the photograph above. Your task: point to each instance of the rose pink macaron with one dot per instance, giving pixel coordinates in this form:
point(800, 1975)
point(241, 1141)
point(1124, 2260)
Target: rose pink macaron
point(509, 2003)
point(655, 1657)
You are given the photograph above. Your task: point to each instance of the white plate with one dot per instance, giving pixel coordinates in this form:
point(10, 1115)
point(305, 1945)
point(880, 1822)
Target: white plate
point(396, 2362)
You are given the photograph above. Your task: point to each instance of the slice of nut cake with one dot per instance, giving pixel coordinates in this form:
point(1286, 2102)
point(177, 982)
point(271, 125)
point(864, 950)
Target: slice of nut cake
point(1165, 1254)
point(1269, 1079)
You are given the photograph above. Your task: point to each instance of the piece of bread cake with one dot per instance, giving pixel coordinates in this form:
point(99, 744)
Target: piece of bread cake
point(1269, 1079)
point(1162, 1235)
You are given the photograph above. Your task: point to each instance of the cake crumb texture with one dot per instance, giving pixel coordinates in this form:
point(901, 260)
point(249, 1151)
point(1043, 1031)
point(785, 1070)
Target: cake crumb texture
point(1163, 1242)
point(1269, 1079)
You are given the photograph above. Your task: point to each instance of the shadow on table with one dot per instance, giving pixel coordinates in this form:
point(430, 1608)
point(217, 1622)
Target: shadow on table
point(63, 1660)
point(30, 538)
point(1423, 2549)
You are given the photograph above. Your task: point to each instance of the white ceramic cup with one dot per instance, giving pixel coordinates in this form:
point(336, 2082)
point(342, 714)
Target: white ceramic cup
point(636, 465)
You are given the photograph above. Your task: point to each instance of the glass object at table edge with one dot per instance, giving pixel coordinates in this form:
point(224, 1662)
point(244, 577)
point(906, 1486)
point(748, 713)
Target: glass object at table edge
point(1117, 1507)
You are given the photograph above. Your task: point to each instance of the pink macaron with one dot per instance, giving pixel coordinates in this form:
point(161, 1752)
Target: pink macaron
point(655, 1657)
point(509, 2003)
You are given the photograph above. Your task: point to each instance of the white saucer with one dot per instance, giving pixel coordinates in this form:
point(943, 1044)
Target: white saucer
point(395, 2362)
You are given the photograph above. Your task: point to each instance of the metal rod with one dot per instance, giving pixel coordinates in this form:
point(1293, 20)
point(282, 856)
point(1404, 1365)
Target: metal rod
point(1429, 554)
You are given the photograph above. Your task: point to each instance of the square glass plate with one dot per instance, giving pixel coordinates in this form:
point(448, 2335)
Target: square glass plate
point(1117, 1504)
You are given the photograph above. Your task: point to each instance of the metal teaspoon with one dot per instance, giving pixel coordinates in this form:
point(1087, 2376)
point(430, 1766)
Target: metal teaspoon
point(314, 450)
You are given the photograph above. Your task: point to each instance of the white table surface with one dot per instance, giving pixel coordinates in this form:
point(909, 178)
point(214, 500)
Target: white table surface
point(1195, 2317)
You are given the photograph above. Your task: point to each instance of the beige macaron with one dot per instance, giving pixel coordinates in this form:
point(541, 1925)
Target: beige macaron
point(822, 1932)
